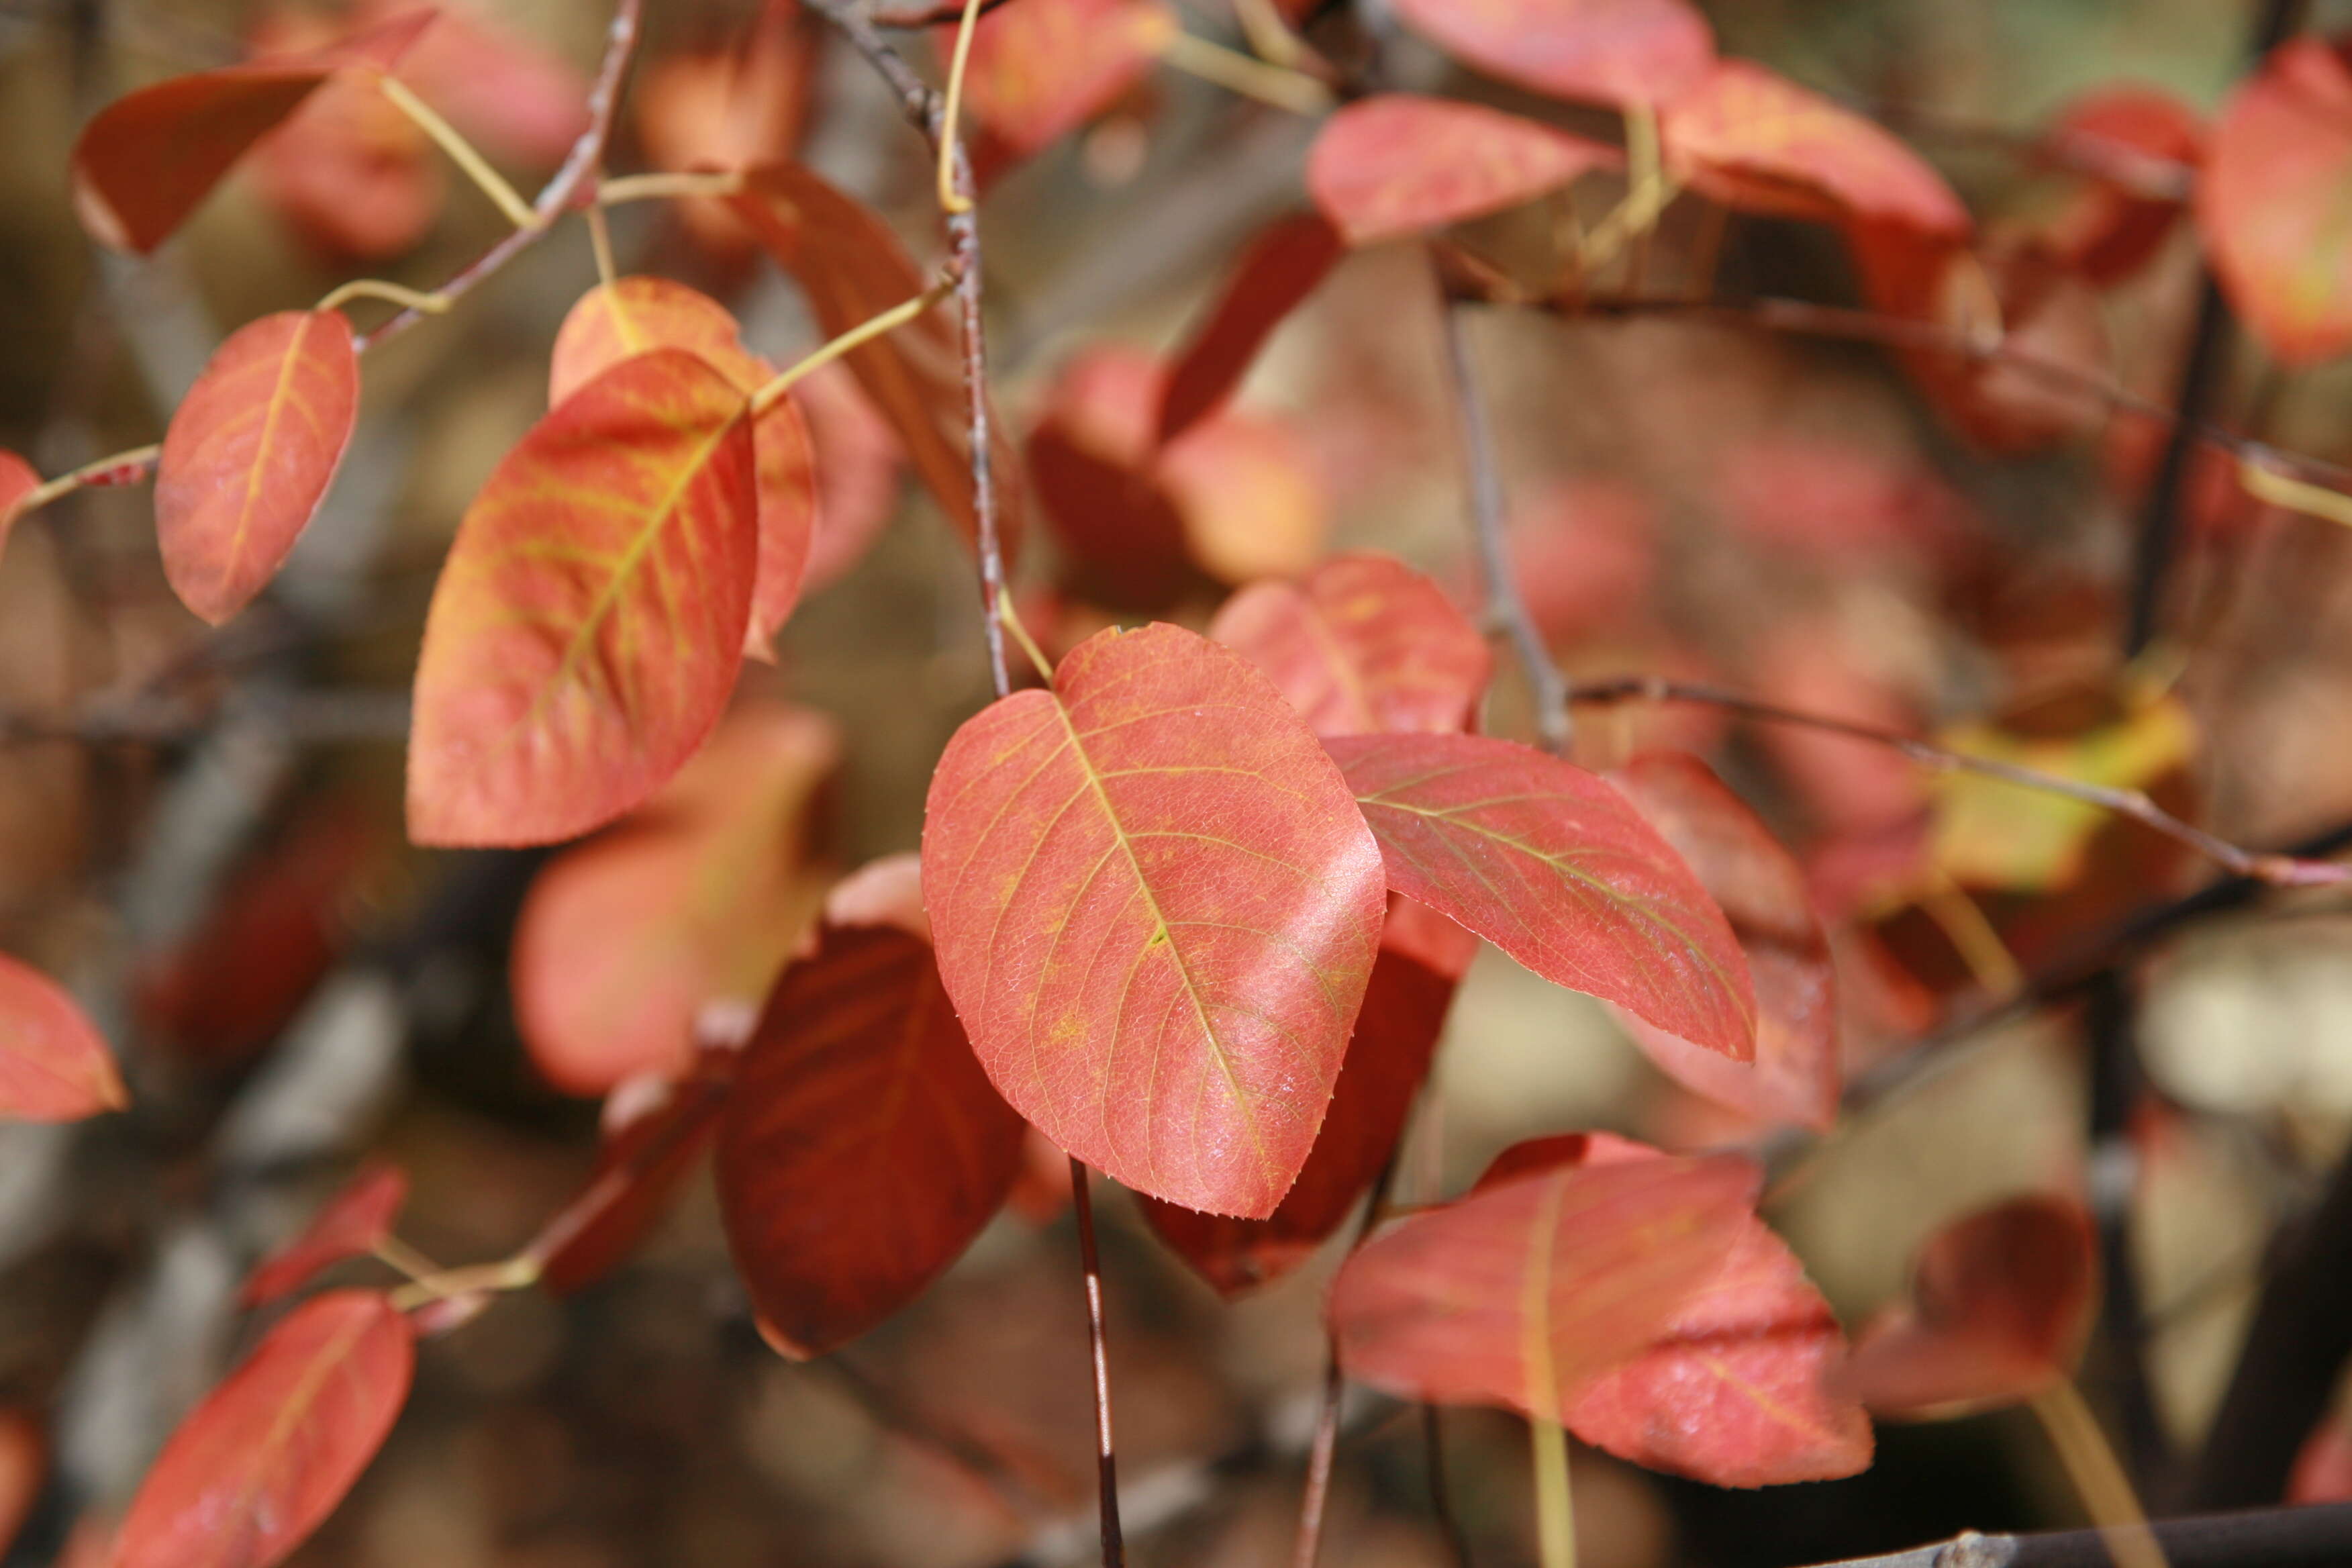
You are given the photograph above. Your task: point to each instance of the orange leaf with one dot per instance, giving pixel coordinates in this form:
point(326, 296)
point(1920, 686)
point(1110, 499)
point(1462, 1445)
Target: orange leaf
point(1156, 911)
point(1761, 890)
point(619, 320)
point(145, 161)
point(1399, 164)
point(1286, 263)
point(352, 1224)
point(1042, 68)
point(1552, 865)
point(19, 479)
point(270, 1453)
point(729, 109)
point(2269, 204)
point(864, 1148)
point(53, 1064)
point(590, 620)
point(250, 453)
point(2110, 228)
point(1528, 1290)
point(1754, 141)
point(1607, 51)
point(1363, 643)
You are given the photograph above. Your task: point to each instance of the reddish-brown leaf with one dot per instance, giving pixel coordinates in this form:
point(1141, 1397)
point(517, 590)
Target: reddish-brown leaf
point(727, 108)
point(1552, 865)
point(863, 1149)
point(2112, 227)
point(1761, 890)
point(145, 161)
point(24, 1467)
point(1525, 1293)
point(1609, 51)
point(351, 1224)
point(622, 941)
point(620, 321)
point(2000, 1302)
point(1421, 959)
point(1753, 139)
point(249, 454)
point(1364, 643)
point(1156, 910)
point(1039, 70)
point(590, 620)
point(53, 1064)
point(2269, 202)
point(1281, 267)
point(1399, 164)
point(270, 1453)
point(852, 268)
point(1732, 1388)
point(19, 479)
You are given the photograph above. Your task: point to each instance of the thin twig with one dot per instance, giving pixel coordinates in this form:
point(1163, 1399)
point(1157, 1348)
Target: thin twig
point(1326, 1447)
point(1114, 1550)
point(2267, 1538)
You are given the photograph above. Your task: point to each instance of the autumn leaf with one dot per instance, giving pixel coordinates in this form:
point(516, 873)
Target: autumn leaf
point(727, 108)
point(1283, 264)
point(351, 1224)
point(588, 625)
point(1552, 865)
point(1524, 1293)
point(1157, 909)
point(1363, 643)
point(146, 160)
point(1040, 69)
point(863, 1149)
point(266, 1457)
point(53, 1064)
point(1604, 51)
point(1399, 164)
point(2270, 204)
point(250, 455)
point(2111, 227)
point(19, 479)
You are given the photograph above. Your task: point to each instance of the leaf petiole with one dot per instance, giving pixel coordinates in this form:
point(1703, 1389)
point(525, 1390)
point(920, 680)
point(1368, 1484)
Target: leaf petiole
point(377, 288)
point(865, 331)
point(1277, 85)
point(1011, 617)
point(461, 151)
point(518, 1273)
point(660, 186)
point(952, 201)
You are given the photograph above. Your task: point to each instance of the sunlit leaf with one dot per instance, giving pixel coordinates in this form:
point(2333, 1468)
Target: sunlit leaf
point(1421, 959)
point(270, 1453)
point(1525, 1293)
point(590, 620)
point(1398, 163)
point(53, 1064)
point(351, 1224)
point(1281, 267)
point(2270, 203)
point(1040, 69)
point(1609, 51)
point(1761, 890)
point(1363, 643)
point(1155, 910)
point(146, 160)
point(1552, 865)
point(250, 453)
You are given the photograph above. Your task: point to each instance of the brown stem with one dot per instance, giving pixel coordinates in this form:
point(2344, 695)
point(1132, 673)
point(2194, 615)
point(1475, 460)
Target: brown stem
point(1113, 1549)
point(1326, 1447)
point(899, 17)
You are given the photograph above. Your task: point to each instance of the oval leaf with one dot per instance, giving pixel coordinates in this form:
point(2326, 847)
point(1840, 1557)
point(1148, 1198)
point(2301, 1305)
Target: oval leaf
point(1606, 51)
point(1364, 644)
point(1040, 69)
point(270, 1452)
point(146, 160)
point(53, 1064)
point(1552, 865)
point(353, 1222)
point(1155, 910)
point(863, 1149)
point(250, 455)
point(1399, 164)
point(1281, 267)
point(588, 625)
point(2267, 205)
point(1522, 1294)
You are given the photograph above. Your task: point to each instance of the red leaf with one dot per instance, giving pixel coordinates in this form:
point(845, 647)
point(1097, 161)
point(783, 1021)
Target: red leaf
point(629, 318)
point(19, 479)
point(1732, 1389)
point(24, 1467)
point(622, 941)
point(1611, 51)
point(512, 99)
point(2280, 158)
point(1156, 911)
point(1421, 959)
point(145, 161)
point(1042, 68)
point(1364, 643)
point(588, 625)
point(1399, 164)
point(270, 1453)
point(2000, 1302)
point(730, 108)
point(250, 455)
point(852, 268)
point(53, 1064)
point(351, 173)
point(1287, 260)
point(1525, 1293)
point(353, 1222)
point(1761, 890)
point(864, 1148)
point(2322, 1468)
point(1552, 865)
point(1754, 141)
point(2112, 227)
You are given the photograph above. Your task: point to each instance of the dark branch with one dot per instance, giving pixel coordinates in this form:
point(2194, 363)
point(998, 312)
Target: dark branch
point(2278, 1538)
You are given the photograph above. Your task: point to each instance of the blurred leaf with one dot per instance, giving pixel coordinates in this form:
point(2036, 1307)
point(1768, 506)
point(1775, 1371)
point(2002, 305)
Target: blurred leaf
point(2269, 201)
point(2110, 230)
point(351, 1224)
point(53, 1064)
point(1040, 69)
point(1399, 164)
point(1607, 51)
point(1284, 264)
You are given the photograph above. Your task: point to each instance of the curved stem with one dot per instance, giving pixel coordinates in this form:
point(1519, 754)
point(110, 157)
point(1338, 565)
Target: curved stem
point(1113, 1549)
point(667, 187)
point(122, 468)
point(377, 288)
